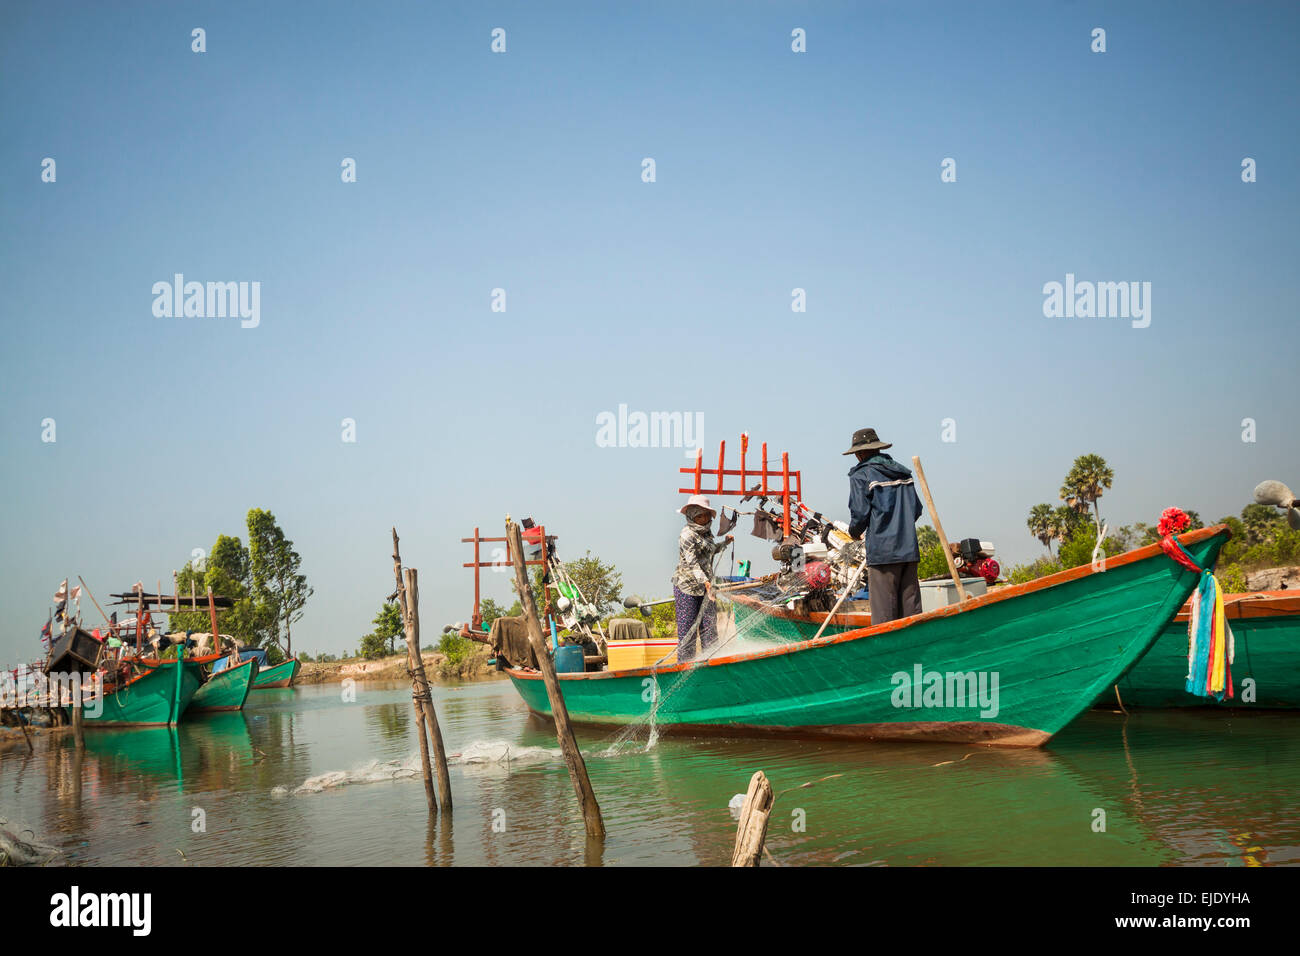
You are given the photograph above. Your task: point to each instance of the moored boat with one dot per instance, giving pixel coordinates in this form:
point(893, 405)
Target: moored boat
point(227, 686)
point(154, 696)
point(1010, 668)
point(269, 675)
point(1266, 669)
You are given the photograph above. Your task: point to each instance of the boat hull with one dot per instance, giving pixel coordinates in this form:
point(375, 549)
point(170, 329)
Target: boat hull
point(151, 699)
point(1266, 637)
point(225, 690)
point(280, 675)
point(1041, 652)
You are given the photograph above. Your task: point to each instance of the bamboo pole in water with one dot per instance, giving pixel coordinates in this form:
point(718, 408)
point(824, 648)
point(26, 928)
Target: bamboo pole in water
point(754, 817)
point(563, 729)
point(421, 681)
point(424, 712)
point(416, 702)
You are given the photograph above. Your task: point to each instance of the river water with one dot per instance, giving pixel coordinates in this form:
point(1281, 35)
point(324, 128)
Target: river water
point(306, 777)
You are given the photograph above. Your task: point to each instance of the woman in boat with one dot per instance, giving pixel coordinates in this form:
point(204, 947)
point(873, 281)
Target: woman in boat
point(697, 612)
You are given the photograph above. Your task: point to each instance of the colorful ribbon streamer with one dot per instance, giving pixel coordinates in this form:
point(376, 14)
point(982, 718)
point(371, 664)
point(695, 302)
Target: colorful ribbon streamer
point(1210, 646)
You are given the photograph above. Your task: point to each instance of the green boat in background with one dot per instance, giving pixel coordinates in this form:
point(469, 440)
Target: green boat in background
point(227, 687)
point(1266, 635)
point(157, 696)
point(1010, 668)
point(269, 675)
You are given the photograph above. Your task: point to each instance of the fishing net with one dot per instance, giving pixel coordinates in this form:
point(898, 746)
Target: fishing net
point(743, 626)
point(488, 754)
point(16, 849)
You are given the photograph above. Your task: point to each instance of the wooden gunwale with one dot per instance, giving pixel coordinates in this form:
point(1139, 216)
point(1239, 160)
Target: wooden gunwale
point(992, 597)
point(1252, 604)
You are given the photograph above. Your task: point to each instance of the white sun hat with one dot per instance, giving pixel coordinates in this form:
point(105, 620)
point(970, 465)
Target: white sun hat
point(696, 501)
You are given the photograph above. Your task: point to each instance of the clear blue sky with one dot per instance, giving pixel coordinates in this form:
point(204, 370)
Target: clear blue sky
point(522, 170)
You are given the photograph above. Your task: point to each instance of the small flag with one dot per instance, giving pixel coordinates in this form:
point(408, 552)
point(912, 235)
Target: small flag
point(45, 631)
point(62, 593)
point(76, 593)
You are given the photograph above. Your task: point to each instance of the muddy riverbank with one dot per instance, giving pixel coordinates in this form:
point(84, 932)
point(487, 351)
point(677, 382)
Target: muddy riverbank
point(472, 666)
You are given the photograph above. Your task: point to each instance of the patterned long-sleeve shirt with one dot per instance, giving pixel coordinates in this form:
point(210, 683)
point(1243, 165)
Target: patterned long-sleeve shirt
point(695, 551)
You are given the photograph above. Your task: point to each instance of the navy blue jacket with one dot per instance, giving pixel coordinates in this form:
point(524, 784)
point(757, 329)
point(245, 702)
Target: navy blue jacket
point(884, 504)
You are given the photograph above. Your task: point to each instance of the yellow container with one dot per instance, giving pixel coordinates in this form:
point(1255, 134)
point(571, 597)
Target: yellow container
point(627, 655)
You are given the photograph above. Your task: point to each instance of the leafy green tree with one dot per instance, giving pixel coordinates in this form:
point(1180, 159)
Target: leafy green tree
point(1083, 486)
point(926, 537)
point(226, 572)
point(388, 624)
point(491, 610)
point(1035, 569)
point(277, 582)
point(373, 646)
point(455, 648)
point(1260, 521)
point(1078, 549)
point(932, 561)
point(600, 583)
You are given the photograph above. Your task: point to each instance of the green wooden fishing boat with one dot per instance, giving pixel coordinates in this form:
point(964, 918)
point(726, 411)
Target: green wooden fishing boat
point(155, 697)
point(226, 688)
point(1010, 668)
point(1266, 635)
point(276, 675)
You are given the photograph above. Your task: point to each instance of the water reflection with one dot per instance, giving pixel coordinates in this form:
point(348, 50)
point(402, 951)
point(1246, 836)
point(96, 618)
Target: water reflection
point(1153, 788)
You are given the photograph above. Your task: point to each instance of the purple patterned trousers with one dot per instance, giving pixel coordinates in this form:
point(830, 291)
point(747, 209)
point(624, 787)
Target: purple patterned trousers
point(690, 637)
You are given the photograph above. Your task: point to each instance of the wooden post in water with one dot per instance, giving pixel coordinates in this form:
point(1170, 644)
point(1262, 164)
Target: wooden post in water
point(78, 706)
point(938, 528)
point(409, 606)
point(754, 816)
point(421, 683)
point(563, 730)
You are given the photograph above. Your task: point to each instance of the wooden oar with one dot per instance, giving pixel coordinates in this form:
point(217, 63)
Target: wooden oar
point(938, 527)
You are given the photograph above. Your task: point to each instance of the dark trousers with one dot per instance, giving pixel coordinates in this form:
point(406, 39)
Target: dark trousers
point(689, 608)
point(894, 591)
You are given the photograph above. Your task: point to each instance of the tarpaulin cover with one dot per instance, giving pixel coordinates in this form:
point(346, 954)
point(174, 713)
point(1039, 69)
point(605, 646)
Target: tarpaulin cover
point(509, 639)
point(220, 665)
point(628, 629)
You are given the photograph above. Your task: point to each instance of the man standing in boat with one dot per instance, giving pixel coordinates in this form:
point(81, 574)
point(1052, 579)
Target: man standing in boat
point(884, 505)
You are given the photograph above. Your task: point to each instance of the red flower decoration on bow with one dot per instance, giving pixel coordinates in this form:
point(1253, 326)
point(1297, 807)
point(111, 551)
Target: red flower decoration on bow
point(1173, 521)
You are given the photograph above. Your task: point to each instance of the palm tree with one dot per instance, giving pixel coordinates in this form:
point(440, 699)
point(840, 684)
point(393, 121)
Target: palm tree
point(1041, 525)
point(1084, 484)
point(1062, 522)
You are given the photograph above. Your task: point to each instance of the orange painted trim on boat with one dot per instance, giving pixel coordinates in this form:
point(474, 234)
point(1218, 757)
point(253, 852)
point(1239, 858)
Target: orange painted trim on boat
point(992, 597)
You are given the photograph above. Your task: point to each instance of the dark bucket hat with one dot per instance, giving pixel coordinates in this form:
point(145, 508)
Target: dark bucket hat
point(866, 439)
